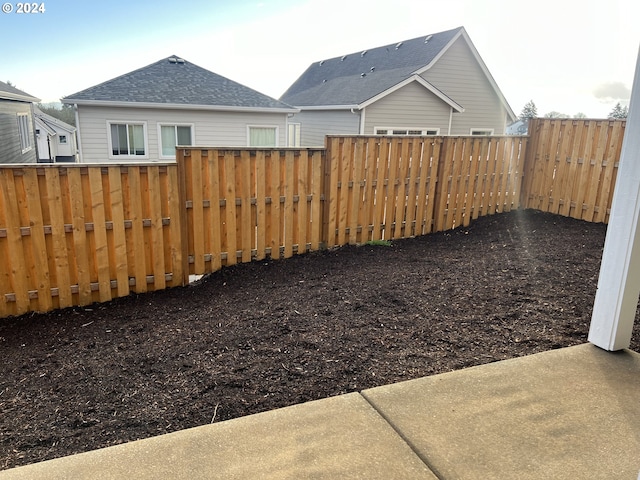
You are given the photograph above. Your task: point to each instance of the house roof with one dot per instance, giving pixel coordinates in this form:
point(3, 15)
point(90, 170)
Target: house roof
point(355, 79)
point(52, 124)
point(175, 83)
point(9, 92)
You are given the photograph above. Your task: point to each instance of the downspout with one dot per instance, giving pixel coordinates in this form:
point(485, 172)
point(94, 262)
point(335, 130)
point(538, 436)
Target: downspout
point(78, 136)
point(361, 126)
point(450, 119)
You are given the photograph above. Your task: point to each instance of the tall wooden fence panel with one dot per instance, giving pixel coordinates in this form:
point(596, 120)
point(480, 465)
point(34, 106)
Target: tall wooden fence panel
point(383, 188)
point(248, 204)
point(80, 234)
point(572, 166)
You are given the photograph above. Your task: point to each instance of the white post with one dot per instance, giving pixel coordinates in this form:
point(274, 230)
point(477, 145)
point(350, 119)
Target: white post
point(616, 299)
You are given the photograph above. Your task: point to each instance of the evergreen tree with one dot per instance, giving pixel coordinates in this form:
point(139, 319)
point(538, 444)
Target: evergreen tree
point(619, 112)
point(529, 111)
point(62, 112)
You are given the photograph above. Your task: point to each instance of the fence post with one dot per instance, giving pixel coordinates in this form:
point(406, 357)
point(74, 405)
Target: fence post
point(181, 153)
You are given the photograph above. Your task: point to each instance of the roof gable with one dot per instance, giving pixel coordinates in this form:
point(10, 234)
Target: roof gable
point(9, 92)
point(355, 78)
point(175, 81)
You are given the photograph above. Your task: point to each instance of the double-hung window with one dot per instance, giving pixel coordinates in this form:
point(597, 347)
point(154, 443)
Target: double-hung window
point(262, 136)
point(127, 139)
point(26, 142)
point(172, 136)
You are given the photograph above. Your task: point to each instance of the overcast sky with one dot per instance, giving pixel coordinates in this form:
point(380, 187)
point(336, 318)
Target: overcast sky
point(568, 56)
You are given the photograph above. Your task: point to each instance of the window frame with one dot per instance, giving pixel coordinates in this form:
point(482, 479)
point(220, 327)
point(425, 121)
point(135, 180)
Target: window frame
point(143, 123)
point(297, 134)
point(424, 132)
point(481, 132)
point(273, 127)
point(191, 126)
point(62, 139)
point(24, 132)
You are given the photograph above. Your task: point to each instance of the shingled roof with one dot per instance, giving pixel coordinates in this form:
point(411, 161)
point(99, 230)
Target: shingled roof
point(357, 77)
point(10, 92)
point(176, 82)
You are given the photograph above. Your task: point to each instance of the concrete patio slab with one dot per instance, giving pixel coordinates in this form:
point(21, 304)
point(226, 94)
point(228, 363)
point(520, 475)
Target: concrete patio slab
point(570, 413)
point(339, 437)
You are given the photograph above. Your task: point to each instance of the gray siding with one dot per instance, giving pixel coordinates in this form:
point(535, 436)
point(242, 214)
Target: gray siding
point(316, 124)
point(211, 129)
point(10, 150)
point(411, 107)
point(459, 76)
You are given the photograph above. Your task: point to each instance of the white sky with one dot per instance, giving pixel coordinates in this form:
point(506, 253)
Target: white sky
point(568, 56)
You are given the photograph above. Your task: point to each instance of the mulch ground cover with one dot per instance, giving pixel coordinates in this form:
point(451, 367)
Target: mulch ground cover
point(268, 334)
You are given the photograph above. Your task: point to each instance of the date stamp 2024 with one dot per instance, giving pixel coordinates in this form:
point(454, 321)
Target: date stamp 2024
point(23, 8)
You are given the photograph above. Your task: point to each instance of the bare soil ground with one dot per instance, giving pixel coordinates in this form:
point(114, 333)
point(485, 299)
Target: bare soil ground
point(269, 334)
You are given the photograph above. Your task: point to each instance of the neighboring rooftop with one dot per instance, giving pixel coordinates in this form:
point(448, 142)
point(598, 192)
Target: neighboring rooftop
point(331, 81)
point(175, 81)
point(9, 92)
point(52, 122)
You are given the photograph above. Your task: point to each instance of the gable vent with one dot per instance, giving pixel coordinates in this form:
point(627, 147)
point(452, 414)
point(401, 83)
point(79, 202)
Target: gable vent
point(426, 40)
point(398, 45)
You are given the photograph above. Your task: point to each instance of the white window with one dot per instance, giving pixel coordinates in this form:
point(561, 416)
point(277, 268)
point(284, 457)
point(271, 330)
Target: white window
point(482, 132)
point(62, 139)
point(26, 142)
point(293, 137)
point(127, 140)
point(406, 131)
point(172, 136)
point(262, 136)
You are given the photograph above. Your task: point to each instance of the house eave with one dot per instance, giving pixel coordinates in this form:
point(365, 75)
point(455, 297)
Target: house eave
point(328, 107)
point(178, 106)
point(18, 97)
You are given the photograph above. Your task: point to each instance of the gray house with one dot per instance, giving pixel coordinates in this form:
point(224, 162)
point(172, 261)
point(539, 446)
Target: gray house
point(432, 85)
point(143, 115)
point(17, 139)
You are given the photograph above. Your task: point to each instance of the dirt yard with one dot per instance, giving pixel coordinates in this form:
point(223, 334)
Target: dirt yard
point(268, 334)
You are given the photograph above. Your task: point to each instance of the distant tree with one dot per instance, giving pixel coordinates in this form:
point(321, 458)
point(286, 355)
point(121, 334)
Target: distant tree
point(579, 115)
point(619, 112)
point(554, 114)
point(529, 111)
point(62, 112)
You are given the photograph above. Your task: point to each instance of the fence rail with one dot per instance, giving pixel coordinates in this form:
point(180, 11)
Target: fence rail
point(79, 234)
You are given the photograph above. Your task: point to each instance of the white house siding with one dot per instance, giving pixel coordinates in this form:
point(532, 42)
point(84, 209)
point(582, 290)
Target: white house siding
point(459, 76)
point(10, 149)
point(316, 124)
point(411, 107)
point(210, 128)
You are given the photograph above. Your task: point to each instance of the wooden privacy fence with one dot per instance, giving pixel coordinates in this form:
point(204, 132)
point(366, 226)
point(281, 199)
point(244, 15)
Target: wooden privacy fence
point(78, 234)
point(74, 235)
point(572, 166)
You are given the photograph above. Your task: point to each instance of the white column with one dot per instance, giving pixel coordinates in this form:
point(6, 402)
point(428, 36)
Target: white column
point(616, 299)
